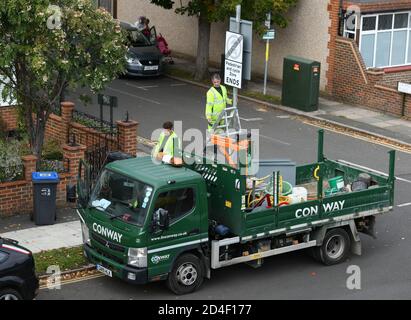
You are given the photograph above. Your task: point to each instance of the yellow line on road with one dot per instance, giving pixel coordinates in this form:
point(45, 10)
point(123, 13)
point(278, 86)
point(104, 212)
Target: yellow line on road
point(65, 282)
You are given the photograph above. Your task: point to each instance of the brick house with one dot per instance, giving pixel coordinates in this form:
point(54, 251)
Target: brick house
point(370, 52)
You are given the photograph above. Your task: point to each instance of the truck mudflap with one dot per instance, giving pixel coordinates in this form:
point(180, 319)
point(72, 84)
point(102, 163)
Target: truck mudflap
point(126, 273)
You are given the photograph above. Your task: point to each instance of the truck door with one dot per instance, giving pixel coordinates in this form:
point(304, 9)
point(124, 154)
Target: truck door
point(183, 231)
point(83, 184)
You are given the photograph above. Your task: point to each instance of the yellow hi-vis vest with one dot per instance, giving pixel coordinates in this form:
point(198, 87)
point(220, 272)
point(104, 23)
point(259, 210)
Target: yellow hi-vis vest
point(216, 104)
point(171, 147)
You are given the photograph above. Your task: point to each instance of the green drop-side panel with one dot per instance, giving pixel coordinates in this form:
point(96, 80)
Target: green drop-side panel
point(301, 83)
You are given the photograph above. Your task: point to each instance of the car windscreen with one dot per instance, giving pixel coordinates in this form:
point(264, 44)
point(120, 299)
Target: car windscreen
point(137, 39)
point(121, 197)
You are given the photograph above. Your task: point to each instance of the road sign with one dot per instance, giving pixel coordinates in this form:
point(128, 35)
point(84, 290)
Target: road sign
point(404, 87)
point(234, 47)
point(269, 35)
point(233, 74)
point(246, 29)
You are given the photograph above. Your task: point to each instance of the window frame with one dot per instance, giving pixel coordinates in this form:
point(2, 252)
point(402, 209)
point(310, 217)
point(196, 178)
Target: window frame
point(375, 33)
point(192, 210)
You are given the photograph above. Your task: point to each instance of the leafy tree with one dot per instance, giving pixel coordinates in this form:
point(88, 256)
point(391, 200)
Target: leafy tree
point(209, 11)
point(47, 45)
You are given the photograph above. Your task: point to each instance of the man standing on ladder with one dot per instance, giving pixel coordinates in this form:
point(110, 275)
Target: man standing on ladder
point(217, 100)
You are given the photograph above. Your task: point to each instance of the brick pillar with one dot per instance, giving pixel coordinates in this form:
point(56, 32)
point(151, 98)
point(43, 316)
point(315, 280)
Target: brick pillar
point(66, 117)
point(74, 154)
point(29, 163)
point(127, 136)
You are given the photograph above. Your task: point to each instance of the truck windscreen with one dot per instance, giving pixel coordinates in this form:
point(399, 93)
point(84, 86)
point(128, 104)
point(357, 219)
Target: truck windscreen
point(121, 197)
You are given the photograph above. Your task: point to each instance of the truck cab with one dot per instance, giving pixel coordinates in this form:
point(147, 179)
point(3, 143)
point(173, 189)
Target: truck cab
point(139, 217)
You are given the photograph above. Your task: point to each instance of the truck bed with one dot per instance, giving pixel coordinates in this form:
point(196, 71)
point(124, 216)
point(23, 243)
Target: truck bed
point(227, 205)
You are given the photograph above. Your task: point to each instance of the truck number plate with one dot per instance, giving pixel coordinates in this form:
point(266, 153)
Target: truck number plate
point(151, 68)
point(106, 271)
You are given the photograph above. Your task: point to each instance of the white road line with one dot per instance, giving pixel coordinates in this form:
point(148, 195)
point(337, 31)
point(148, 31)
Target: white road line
point(134, 96)
point(251, 119)
point(404, 205)
point(275, 140)
point(178, 85)
point(373, 170)
point(144, 88)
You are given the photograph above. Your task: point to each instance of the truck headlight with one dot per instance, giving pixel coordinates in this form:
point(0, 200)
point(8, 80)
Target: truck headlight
point(86, 234)
point(137, 257)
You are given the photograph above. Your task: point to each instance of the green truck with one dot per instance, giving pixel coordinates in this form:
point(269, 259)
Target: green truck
point(145, 222)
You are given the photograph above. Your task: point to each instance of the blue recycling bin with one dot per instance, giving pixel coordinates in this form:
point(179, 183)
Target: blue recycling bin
point(44, 197)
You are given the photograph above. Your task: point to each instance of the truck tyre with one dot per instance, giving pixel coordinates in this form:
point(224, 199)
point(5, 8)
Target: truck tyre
point(187, 275)
point(10, 294)
point(335, 248)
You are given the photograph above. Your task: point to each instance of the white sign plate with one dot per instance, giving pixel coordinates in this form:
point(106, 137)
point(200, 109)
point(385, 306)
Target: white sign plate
point(233, 74)
point(234, 44)
point(404, 87)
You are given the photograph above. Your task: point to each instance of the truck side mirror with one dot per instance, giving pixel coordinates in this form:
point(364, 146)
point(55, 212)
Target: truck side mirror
point(161, 219)
point(83, 184)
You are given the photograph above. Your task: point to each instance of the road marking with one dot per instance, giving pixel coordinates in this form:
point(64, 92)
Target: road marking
point(133, 95)
point(373, 170)
point(275, 140)
point(65, 282)
point(283, 117)
point(404, 205)
point(251, 119)
point(144, 88)
point(178, 85)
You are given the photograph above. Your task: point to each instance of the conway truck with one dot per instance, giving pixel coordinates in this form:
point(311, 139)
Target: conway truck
point(143, 221)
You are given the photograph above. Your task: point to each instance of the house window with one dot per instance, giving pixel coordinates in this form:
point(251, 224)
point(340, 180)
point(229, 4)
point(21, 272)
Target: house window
point(385, 39)
point(109, 5)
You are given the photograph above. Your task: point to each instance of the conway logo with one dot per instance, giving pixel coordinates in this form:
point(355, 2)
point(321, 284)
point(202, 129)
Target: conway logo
point(107, 232)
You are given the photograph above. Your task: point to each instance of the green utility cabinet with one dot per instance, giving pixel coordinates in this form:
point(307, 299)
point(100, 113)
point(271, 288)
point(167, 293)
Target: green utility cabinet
point(301, 83)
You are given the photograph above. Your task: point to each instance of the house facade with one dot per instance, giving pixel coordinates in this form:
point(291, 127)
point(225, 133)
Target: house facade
point(364, 46)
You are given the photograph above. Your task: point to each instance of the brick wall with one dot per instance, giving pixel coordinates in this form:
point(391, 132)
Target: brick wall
point(374, 88)
point(9, 116)
point(17, 197)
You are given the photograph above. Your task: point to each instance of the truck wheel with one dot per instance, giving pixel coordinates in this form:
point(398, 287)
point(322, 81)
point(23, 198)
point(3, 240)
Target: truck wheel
point(10, 294)
point(186, 276)
point(335, 247)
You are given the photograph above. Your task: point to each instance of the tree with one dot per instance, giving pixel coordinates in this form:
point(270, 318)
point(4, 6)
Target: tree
point(46, 46)
point(209, 11)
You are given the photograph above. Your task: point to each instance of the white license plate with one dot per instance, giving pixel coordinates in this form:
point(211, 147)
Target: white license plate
point(106, 271)
point(149, 68)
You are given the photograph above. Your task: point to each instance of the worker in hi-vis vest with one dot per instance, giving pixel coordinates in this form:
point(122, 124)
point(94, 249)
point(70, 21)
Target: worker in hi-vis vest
point(217, 100)
point(168, 148)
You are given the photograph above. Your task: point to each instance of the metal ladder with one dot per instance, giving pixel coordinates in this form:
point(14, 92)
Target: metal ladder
point(232, 123)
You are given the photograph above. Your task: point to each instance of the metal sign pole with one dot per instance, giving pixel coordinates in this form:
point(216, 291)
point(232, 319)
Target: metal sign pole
point(238, 29)
point(267, 54)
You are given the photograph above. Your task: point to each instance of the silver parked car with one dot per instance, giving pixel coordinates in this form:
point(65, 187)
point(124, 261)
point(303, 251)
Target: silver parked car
point(144, 59)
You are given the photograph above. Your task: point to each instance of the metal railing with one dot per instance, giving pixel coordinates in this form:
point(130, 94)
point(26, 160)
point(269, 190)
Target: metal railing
point(94, 122)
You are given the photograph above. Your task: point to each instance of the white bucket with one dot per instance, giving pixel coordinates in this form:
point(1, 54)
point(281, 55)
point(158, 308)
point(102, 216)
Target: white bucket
point(300, 194)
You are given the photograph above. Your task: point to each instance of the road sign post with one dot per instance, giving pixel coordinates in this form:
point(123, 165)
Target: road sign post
point(234, 57)
point(270, 35)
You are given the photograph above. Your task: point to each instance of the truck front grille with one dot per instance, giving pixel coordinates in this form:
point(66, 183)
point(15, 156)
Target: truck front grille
point(108, 244)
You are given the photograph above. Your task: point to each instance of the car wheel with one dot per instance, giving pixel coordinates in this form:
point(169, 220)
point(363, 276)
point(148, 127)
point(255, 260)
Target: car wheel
point(186, 276)
point(10, 294)
point(335, 248)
